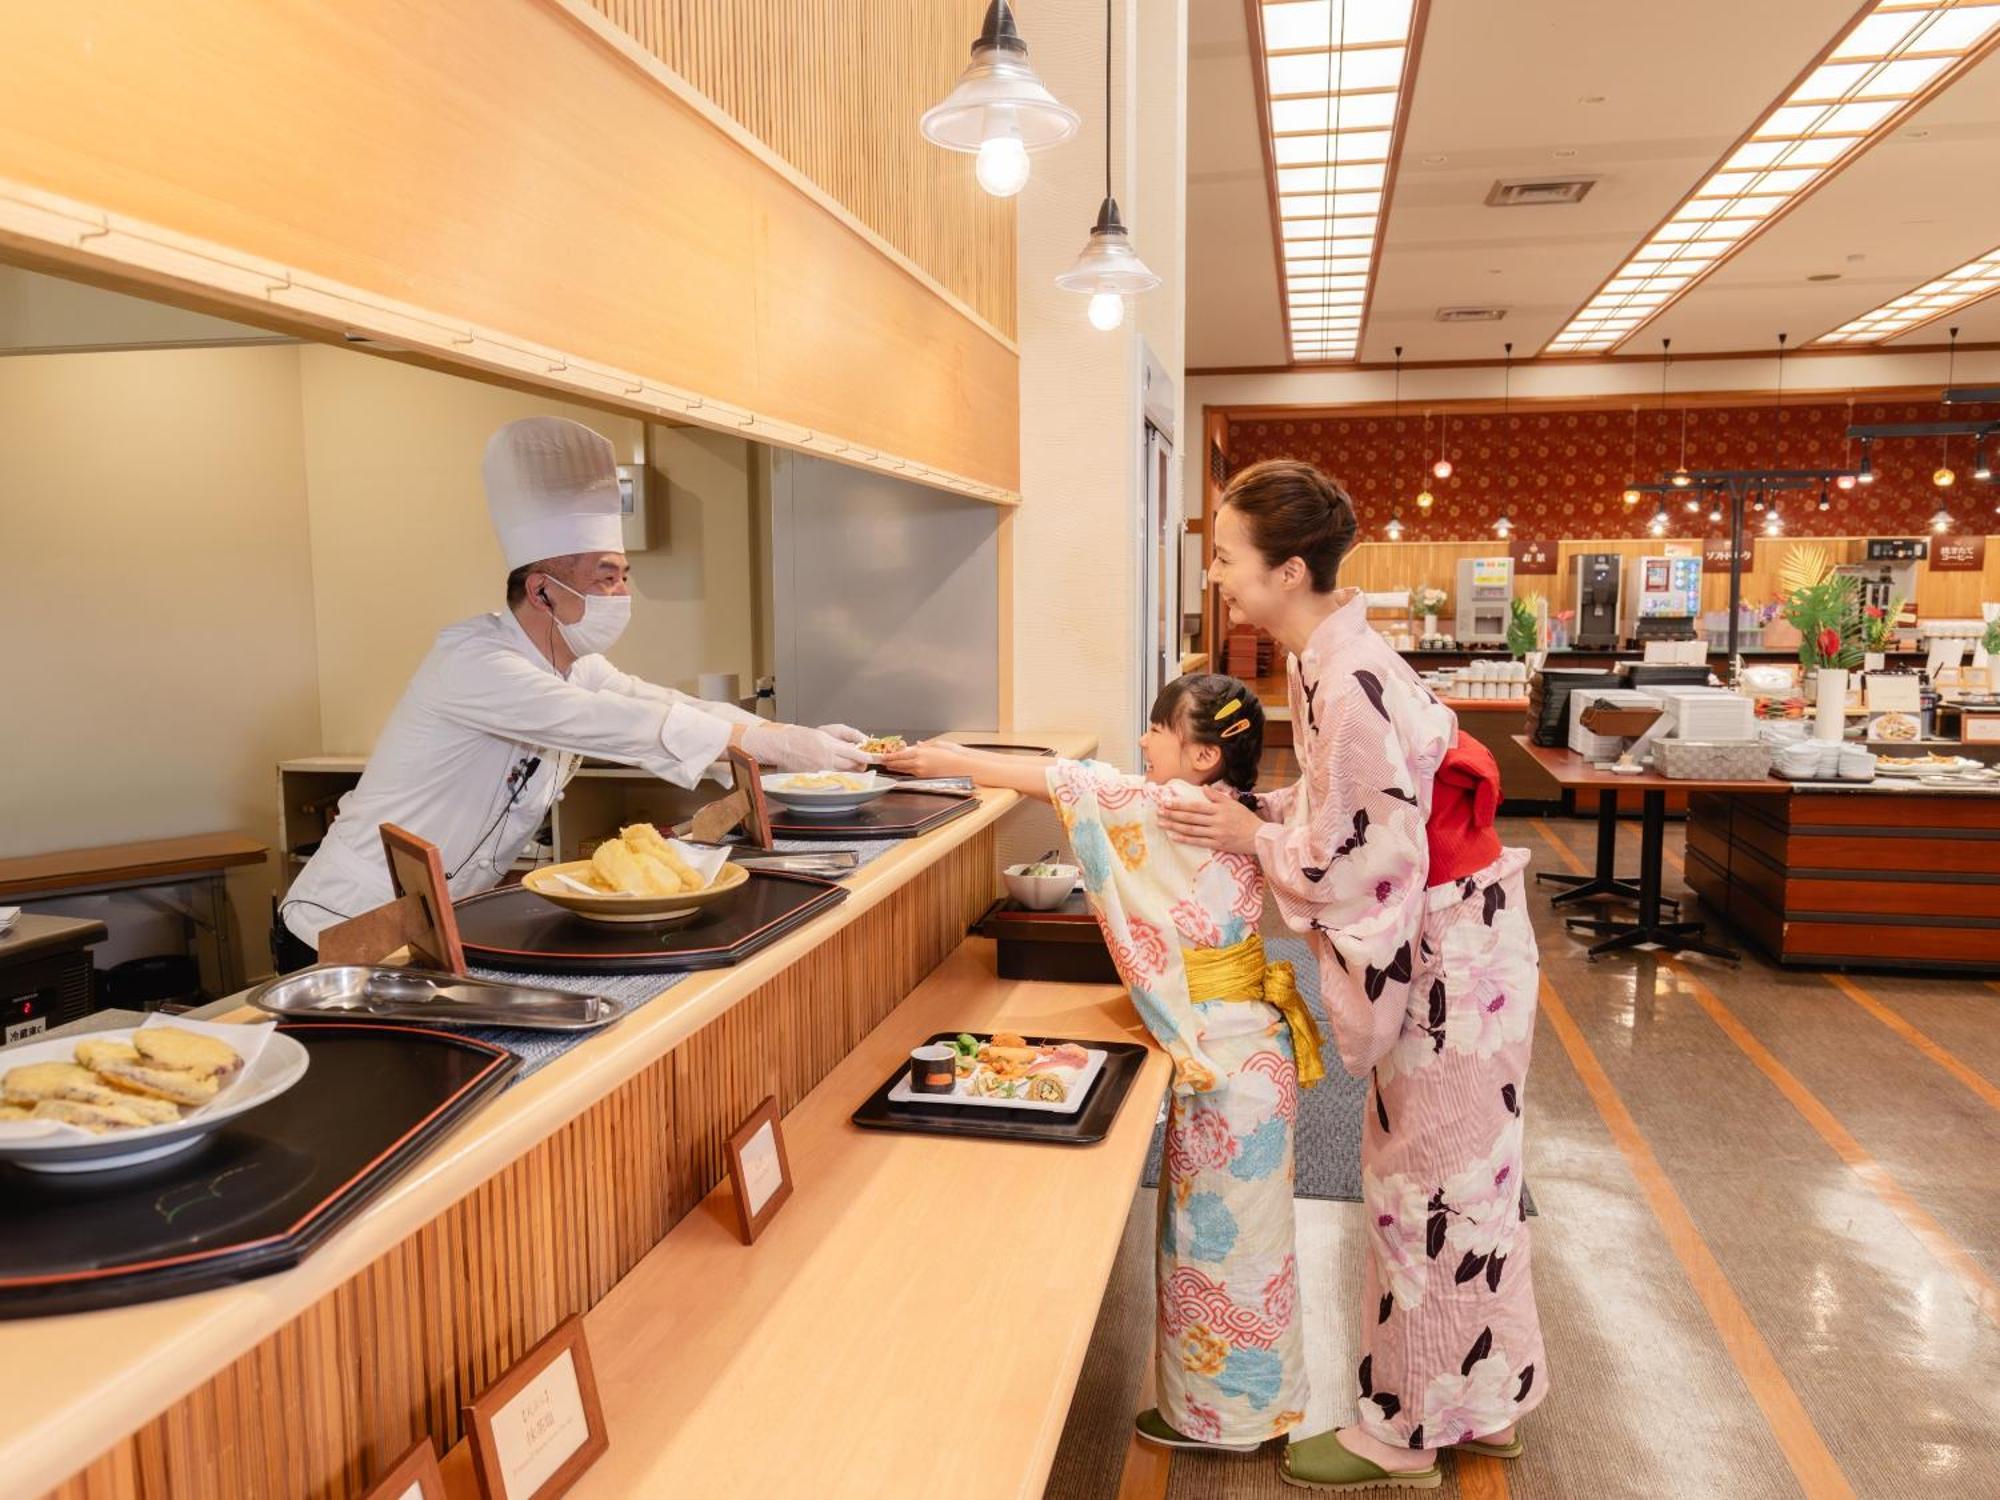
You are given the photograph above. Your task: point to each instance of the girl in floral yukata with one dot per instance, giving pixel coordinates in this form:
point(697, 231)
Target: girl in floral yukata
point(1384, 852)
point(1181, 923)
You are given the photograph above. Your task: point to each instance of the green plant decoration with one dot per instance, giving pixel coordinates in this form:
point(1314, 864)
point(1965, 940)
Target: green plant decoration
point(1524, 631)
point(1991, 640)
point(1878, 626)
point(1827, 616)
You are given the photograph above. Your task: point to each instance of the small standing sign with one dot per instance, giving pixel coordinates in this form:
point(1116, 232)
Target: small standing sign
point(759, 1170)
point(1958, 554)
point(414, 1477)
point(537, 1428)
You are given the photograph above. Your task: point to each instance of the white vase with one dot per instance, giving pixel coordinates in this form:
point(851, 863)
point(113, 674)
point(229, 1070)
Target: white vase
point(1430, 627)
point(1830, 703)
point(1874, 661)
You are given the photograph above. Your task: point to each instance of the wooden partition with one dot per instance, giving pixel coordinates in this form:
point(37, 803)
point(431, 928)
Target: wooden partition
point(521, 190)
point(323, 1404)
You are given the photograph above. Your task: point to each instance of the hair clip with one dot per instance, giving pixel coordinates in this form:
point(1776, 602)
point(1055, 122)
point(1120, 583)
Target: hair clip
point(1227, 709)
point(1234, 729)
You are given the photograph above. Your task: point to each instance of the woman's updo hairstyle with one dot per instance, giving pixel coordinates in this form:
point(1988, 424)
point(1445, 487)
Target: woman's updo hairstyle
point(1207, 708)
point(1292, 510)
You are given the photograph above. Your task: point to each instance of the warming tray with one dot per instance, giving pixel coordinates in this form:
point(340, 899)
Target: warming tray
point(348, 991)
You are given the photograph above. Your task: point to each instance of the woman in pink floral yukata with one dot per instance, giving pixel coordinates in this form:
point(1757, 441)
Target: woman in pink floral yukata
point(1384, 852)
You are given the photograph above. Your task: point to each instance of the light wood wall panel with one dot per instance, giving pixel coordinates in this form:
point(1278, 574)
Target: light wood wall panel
point(836, 90)
point(492, 164)
point(323, 1405)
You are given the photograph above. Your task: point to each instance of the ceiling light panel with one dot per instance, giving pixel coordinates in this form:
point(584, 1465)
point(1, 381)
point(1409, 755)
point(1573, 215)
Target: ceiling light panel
point(1880, 69)
point(1335, 74)
point(1958, 288)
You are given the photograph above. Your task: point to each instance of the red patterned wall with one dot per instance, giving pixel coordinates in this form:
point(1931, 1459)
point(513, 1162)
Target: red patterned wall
point(1560, 473)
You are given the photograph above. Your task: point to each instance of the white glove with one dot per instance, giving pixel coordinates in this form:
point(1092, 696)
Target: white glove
point(846, 733)
point(794, 747)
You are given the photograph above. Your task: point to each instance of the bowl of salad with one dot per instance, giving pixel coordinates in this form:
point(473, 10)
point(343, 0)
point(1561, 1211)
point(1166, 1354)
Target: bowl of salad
point(1041, 886)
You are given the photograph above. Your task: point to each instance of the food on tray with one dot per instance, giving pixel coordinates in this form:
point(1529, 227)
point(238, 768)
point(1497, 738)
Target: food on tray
point(825, 781)
point(1048, 1088)
point(1067, 1055)
point(1047, 872)
point(1006, 1039)
point(123, 1085)
point(96, 1118)
point(1914, 762)
point(884, 744)
point(990, 1085)
point(641, 863)
point(1896, 726)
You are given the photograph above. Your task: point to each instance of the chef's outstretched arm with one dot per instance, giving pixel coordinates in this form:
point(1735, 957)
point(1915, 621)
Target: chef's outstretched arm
point(833, 750)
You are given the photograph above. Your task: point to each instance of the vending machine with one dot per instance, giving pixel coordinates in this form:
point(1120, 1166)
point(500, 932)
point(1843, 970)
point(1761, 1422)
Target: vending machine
point(1485, 598)
point(1596, 602)
point(1666, 597)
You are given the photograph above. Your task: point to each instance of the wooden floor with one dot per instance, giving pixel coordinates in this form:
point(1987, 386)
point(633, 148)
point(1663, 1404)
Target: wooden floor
point(1767, 1255)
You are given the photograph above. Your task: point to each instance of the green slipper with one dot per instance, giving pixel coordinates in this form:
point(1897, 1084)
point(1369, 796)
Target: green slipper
point(1157, 1430)
point(1326, 1463)
point(1512, 1448)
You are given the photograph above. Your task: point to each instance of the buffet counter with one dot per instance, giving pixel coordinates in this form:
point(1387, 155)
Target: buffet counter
point(307, 1381)
point(1881, 875)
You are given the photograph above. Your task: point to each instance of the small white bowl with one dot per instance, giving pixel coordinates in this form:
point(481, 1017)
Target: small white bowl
point(1040, 892)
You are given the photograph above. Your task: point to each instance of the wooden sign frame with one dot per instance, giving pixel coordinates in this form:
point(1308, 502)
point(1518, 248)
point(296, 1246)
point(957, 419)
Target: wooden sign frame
point(420, 917)
point(491, 1404)
point(744, 805)
point(417, 1467)
point(749, 1225)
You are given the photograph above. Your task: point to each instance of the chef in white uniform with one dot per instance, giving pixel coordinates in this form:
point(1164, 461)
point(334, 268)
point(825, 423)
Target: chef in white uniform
point(506, 705)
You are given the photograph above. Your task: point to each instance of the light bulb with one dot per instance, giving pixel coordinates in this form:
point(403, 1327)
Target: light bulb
point(1107, 311)
point(1425, 499)
point(1715, 514)
point(1631, 497)
point(1981, 469)
point(1682, 479)
point(1693, 504)
point(1002, 165)
point(1502, 526)
point(1844, 482)
point(1395, 528)
point(1866, 476)
point(1942, 520)
point(1442, 468)
point(1824, 503)
point(1944, 479)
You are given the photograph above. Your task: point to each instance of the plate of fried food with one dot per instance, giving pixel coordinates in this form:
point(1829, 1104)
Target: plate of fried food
point(1007, 1071)
point(1924, 765)
point(825, 792)
point(640, 875)
point(134, 1094)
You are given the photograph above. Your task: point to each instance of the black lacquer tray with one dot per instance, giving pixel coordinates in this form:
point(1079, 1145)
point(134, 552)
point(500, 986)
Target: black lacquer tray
point(1086, 1127)
point(514, 929)
point(258, 1195)
point(899, 815)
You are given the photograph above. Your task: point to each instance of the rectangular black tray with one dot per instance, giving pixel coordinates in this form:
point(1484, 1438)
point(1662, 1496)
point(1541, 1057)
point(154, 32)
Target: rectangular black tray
point(257, 1196)
point(1065, 946)
point(514, 929)
point(1086, 1127)
point(899, 815)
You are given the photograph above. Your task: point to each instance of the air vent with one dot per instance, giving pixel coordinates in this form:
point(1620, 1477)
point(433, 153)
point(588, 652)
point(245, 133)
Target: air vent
point(1528, 192)
point(1471, 314)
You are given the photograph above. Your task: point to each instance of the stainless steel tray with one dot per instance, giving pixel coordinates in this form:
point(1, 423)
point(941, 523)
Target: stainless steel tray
point(424, 995)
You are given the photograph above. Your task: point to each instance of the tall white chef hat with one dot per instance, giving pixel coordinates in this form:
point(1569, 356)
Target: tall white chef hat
point(552, 489)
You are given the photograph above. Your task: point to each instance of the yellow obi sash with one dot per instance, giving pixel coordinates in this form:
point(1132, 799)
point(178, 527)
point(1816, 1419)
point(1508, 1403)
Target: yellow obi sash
point(1239, 972)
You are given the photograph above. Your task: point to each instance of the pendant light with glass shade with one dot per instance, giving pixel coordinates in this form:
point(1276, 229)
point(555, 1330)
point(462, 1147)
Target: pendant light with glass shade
point(1680, 478)
point(999, 109)
point(1631, 495)
point(1442, 468)
point(1424, 495)
point(1847, 479)
point(1395, 527)
point(1109, 269)
point(1503, 525)
point(1945, 478)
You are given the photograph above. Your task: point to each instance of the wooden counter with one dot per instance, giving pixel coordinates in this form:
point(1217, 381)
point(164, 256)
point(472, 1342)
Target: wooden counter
point(818, 1369)
point(1900, 879)
point(304, 1383)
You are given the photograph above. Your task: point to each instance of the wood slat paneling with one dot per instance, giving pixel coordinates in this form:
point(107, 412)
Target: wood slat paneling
point(836, 90)
point(325, 1403)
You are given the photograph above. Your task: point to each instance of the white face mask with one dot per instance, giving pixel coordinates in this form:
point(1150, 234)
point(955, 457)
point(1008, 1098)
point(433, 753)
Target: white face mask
point(605, 617)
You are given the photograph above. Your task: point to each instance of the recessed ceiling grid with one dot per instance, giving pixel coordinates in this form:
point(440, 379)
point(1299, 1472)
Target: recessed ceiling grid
point(1958, 288)
point(1891, 58)
point(1334, 75)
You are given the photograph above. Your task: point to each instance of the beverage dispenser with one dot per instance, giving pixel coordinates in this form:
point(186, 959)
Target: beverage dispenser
point(1596, 602)
point(1485, 597)
point(1666, 597)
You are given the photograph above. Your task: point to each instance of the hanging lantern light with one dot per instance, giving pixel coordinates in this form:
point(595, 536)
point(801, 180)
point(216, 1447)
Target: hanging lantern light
point(1442, 468)
point(1941, 520)
point(1109, 269)
point(1503, 527)
point(1658, 525)
point(1425, 499)
point(1630, 497)
point(999, 108)
point(1844, 481)
point(1395, 528)
point(1943, 476)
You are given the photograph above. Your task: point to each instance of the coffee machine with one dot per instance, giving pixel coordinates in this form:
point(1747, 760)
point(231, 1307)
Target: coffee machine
point(1485, 599)
point(1597, 576)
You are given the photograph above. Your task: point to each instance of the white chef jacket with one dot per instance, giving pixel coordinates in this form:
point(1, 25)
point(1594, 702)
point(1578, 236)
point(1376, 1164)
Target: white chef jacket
point(456, 763)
